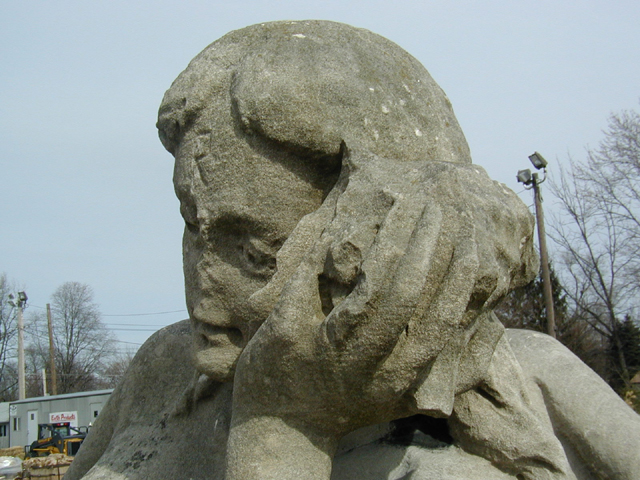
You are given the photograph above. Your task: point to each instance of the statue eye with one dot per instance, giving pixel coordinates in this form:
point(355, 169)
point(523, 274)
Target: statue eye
point(258, 257)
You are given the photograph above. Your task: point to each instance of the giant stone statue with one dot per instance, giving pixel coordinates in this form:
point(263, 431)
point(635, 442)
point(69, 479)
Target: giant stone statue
point(342, 257)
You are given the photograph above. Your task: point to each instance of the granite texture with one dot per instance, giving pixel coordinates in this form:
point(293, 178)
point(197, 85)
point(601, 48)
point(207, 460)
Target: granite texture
point(342, 256)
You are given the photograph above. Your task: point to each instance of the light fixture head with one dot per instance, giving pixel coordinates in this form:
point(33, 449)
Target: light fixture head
point(538, 160)
point(525, 176)
point(17, 302)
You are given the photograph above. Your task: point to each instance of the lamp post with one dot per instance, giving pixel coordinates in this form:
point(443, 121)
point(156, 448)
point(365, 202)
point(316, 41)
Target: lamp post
point(531, 181)
point(20, 302)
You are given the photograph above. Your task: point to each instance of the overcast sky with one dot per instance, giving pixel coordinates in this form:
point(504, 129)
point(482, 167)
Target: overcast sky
point(86, 186)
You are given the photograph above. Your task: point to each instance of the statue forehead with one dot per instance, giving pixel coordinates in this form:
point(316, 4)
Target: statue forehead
point(311, 86)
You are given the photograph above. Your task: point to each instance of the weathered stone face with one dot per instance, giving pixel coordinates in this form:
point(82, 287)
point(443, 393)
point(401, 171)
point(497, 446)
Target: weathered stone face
point(239, 206)
point(259, 124)
point(241, 193)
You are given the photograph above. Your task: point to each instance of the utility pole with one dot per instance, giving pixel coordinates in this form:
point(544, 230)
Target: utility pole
point(531, 180)
point(52, 354)
point(544, 260)
point(20, 302)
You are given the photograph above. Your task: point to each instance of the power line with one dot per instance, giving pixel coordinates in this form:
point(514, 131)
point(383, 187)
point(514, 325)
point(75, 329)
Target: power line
point(142, 314)
point(43, 335)
point(126, 314)
point(133, 329)
point(109, 324)
point(147, 327)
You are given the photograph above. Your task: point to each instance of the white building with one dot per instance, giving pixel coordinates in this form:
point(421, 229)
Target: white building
point(79, 409)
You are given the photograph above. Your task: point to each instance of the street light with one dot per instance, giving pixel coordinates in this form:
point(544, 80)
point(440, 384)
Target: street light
point(20, 302)
point(531, 181)
point(524, 176)
point(538, 160)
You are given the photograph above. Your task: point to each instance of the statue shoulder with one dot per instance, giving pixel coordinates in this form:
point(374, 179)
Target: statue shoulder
point(171, 343)
point(580, 404)
point(162, 364)
point(152, 385)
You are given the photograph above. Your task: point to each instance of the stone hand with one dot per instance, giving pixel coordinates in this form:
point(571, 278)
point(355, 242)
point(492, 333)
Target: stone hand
point(394, 276)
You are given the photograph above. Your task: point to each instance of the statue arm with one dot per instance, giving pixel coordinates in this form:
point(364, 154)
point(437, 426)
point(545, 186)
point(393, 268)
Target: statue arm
point(268, 448)
point(585, 412)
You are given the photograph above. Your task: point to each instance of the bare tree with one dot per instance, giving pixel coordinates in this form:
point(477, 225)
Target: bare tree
point(84, 346)
point(115, 371)
point(33, 371)
point(598, 232)
point(9, 382)
point(8, 333)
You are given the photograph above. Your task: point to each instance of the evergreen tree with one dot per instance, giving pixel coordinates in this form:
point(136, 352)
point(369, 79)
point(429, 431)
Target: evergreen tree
point(525, 308)
point(629, 334)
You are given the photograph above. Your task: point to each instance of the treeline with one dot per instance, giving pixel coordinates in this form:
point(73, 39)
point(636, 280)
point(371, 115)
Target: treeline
point(595, 234)
point(86, 355)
